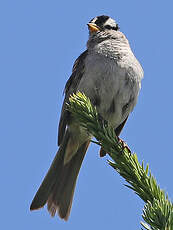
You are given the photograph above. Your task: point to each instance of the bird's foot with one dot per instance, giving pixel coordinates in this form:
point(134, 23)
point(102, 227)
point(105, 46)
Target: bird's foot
point(124, 144)
point(121, 142)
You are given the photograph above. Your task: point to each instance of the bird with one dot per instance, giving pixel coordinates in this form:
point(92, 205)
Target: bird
point(110, 75)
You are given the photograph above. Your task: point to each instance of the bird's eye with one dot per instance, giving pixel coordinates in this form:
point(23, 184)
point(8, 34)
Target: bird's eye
point(108, 27)
point(112, 27)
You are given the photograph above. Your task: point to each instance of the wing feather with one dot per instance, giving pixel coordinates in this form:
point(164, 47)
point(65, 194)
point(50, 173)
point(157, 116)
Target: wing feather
point(70, 88)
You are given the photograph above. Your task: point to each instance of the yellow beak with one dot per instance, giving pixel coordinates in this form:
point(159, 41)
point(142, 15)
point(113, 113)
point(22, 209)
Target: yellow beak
point(93, 27)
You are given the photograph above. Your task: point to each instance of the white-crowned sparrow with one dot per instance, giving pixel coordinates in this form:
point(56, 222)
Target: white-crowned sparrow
point(110, 75)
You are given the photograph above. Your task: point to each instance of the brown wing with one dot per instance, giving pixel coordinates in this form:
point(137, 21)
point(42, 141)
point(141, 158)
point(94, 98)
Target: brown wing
point(70, 88)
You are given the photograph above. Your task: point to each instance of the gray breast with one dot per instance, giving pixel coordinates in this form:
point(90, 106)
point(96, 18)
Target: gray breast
point(112, 84)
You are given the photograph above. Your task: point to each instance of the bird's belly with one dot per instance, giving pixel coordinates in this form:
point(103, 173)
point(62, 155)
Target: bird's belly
point(106, 84)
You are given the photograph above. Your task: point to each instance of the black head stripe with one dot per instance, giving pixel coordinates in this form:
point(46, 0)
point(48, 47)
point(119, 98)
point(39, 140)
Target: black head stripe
point(101, 20)
point(105, 22)
point(112, 27)
point(117, 27)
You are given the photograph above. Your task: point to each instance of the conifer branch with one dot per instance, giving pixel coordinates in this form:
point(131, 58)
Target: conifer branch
point(158, 210)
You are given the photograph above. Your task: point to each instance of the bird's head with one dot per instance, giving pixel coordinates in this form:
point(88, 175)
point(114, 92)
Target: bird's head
point(102, 23)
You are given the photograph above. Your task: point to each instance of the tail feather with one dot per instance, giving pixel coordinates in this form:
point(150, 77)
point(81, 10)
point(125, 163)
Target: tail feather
point(50, 179)
point(70, 181)
point(58, 186)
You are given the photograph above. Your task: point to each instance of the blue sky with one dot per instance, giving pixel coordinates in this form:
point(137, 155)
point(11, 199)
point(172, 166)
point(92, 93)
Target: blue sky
point(38, 45)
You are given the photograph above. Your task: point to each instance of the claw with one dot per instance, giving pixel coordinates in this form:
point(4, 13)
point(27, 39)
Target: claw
point(102, 152)
point(124, 144)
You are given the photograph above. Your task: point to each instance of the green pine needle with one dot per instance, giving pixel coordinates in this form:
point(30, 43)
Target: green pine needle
point(158, 210)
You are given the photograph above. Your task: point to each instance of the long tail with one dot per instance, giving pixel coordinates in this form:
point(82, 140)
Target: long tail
point(58, 186)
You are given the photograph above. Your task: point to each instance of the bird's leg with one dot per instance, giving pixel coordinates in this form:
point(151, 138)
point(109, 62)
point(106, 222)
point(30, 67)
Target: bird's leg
point(103, 122)
point(124, 144)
